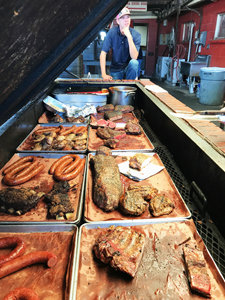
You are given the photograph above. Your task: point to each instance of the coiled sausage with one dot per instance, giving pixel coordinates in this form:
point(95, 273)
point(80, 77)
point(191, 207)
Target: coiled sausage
point(19, 162)
point(8, 242)
point(21, 294)
point(58, 175)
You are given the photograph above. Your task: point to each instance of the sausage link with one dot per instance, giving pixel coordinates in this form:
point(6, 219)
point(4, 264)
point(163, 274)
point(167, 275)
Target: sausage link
point(16, 242)
point(73, 164)
point(61, 167)
point(27, 260)
point(81, 129)
point(22, 294)
point(27, 170)
point(16, 181)
point(18, 163)
point(71, 175)
point(58, 162)
point(42, 130)
point(68, 131)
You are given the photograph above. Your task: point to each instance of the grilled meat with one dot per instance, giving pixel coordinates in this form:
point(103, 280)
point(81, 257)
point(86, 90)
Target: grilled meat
point(18, 201)
point(133, 128)
point(107, 107)
point(57, 119)
point(59, 205)
point(146, 191)
point(132, 203)
point(139, 161)
point(124, 108)
point(111, 143)
point(113, 115)
point(107, 184)
point(79, 119)
point(196, 270)
point(104, 150)
point(107, 133)
point(122, 247)
point(161, 205)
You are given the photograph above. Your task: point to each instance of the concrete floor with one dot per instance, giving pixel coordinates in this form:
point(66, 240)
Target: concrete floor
point(183, 95)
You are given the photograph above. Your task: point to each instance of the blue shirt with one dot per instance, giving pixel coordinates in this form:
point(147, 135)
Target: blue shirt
point(120, 47)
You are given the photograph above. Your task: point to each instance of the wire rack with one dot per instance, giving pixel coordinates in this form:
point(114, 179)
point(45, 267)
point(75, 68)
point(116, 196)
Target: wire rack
point(209, 233)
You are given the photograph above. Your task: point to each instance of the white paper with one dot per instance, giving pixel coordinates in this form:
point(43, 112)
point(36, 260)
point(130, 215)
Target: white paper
point(155, 89)
point(149, 170)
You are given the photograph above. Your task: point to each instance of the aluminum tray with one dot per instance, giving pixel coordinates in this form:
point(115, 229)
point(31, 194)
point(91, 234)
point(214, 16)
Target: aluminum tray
point(160, 273)
point(27, 143)
point(43, 182)
point(162, 181)
point(46, 117)
point(49, 283)
point(138, 143)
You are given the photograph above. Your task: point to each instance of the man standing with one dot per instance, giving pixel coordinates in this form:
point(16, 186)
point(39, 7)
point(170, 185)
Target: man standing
point(125, 43)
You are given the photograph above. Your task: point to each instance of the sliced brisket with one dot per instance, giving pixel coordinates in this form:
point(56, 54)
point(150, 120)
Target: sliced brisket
point(122, 247)
point(113, 115)
point(108, 133)
point(107, 183)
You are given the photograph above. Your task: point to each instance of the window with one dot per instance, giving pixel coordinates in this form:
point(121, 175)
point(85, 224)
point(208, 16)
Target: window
point(186, 31)
point(220, 27)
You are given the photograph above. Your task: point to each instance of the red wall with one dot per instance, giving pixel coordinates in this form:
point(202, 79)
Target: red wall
point(151, 44)
point(209, 17)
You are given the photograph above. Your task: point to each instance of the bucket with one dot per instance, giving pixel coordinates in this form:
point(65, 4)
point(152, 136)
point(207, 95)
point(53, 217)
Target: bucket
point(122, 95)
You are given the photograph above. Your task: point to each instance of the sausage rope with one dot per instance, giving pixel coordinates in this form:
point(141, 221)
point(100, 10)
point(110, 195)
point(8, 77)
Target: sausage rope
point(21, 294)
point(8, 242)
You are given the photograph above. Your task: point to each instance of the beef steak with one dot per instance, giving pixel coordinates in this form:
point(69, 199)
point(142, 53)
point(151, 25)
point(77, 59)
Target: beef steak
point(107, 184)
point(122, 247)
point(132, 128)
point(146, 191)
point(107, 107)
point(111, 143)
point(113, 115)
point(132, 203)
point(161, 205)
point(108, 133)
point(124, 108)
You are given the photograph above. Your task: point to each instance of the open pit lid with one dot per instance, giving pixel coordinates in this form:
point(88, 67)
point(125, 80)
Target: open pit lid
point(40, 39)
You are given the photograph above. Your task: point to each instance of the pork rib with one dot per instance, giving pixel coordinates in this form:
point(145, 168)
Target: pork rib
point(196, 270)
point(122, 247)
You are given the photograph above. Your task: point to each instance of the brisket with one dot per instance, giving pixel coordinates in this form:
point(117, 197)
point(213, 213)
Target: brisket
point(107, 107)
point(111, 143)
point(107, 184)
point(113, 115)
point(124, 108)
point(107, 133)
point(122, 247)
point(132, 128)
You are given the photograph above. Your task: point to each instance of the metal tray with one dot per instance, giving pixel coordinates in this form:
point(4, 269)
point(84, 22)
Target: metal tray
point(160, 273)
point(138, 143)
point(46, 117)
point(49, 283)
point(43, 182)
point(162, 181)
point(27, 143)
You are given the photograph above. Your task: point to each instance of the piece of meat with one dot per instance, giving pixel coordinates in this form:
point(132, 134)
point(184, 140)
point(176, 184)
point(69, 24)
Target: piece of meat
point(18, 201)
point(132, 128)
point(122, 247)
point(57, 119)
point(107, 188)
point(79, 119)
point(104, 150)
point(146, 191)
point(124, 108)
point(113, 115)
point(107, 107)
point(132, 203)
point(139, 161)
point(111, 143)
point(196, 270)
point(107, 133)
point(161, 205)
point(59, 205)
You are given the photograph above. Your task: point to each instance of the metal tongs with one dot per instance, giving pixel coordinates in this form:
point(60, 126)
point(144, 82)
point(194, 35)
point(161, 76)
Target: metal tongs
point(204, 115)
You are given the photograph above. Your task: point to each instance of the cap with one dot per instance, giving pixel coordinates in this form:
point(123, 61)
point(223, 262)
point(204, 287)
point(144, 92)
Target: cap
point(124, 11)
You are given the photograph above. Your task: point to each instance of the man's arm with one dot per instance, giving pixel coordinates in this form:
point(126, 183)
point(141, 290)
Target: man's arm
point(103, 65)
point(132, 48)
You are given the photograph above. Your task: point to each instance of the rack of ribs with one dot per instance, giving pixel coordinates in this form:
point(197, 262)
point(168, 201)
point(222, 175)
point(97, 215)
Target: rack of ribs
point(121, 247)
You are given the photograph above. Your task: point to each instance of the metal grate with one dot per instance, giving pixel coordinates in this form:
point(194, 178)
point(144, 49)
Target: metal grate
point(212, 238)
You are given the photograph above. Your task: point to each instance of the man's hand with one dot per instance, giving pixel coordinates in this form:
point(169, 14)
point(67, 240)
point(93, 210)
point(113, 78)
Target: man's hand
point(126, 32)
point(107, 77)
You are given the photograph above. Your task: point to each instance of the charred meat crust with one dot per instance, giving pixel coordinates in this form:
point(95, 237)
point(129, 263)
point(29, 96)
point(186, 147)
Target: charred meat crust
point(107, 184)
point(122, 247)
point(161, 205)
point(132, 203)
point(146, 191)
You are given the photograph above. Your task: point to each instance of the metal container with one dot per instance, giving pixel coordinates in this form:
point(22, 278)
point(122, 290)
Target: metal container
point(212, 88)
point(122, 95)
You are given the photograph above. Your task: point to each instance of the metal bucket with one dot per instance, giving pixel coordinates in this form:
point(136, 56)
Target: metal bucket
point(122, 95)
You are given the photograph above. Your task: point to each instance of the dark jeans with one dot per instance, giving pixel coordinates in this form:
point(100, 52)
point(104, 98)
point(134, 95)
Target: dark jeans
point(130, 72)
